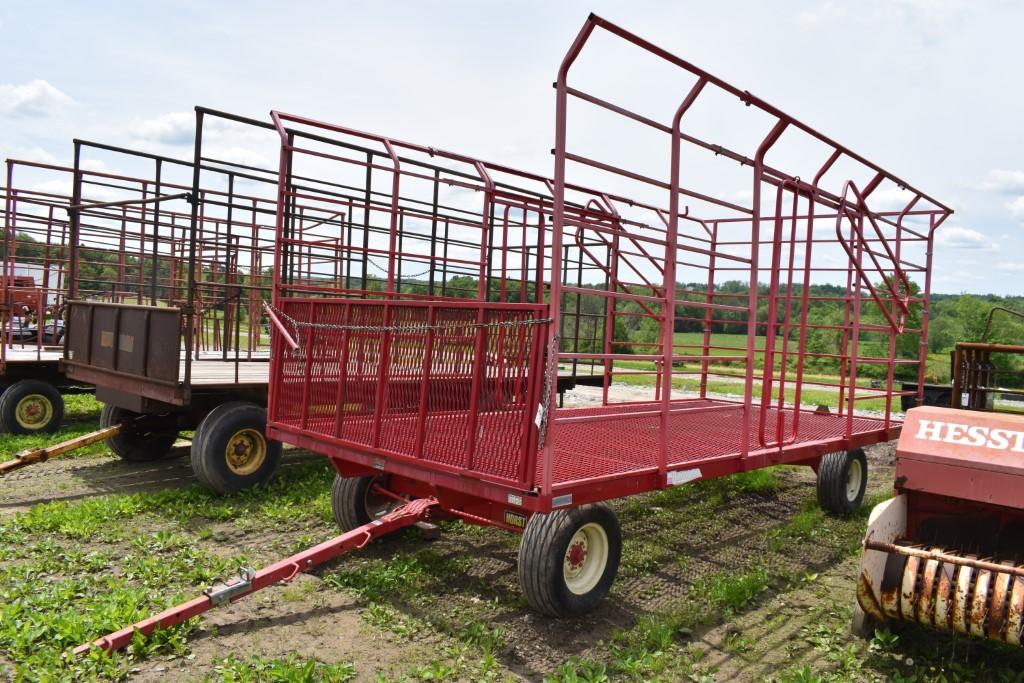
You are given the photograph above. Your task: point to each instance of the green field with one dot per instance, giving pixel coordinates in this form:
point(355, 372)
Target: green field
point(725, 377)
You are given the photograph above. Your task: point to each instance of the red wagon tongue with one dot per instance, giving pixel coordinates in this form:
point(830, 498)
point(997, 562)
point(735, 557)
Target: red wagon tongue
point(251, 581)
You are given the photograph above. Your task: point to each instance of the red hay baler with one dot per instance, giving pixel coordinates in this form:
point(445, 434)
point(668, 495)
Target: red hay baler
point(947, 550)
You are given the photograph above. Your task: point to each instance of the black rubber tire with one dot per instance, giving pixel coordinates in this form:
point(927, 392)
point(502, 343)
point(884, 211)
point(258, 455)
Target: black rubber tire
point(863, 625)
point(135, 445)
point(18, 391)
point(833, 473)
point(210, 442)
point(350, 499)
point(542, 554)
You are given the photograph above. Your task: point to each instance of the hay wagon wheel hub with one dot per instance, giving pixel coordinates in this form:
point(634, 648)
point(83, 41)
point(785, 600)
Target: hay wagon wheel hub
point(378, 504)
point(585, 558)
point(33, 411)
point(854, 479)
point(245, 452)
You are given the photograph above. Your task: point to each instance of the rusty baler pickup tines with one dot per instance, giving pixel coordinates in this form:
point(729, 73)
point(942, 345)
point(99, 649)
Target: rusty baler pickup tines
point(947, 590)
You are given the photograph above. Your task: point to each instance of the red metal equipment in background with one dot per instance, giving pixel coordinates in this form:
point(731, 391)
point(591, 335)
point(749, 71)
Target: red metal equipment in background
point(33, 291)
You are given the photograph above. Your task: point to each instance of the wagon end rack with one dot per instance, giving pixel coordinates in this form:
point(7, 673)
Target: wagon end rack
point(249, 581)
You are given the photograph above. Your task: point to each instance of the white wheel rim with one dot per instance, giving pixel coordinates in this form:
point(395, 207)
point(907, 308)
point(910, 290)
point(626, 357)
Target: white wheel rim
point(585, 558)
point(377, 505)
point(854, 477)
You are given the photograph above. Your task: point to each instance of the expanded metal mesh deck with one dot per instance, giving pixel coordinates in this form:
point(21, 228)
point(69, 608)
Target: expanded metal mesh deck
point(625, 441)
point(703, 429)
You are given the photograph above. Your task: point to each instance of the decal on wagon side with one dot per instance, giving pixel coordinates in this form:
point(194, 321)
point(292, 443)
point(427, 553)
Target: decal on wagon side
point(515, 519)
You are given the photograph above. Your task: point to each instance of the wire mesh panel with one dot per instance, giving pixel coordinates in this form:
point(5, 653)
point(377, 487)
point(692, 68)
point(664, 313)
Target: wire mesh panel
point(441, 383)
point(162, 233)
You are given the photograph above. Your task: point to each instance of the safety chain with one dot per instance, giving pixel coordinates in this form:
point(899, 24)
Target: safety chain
point(399, 329)
point(406, 277)
point(550, 370)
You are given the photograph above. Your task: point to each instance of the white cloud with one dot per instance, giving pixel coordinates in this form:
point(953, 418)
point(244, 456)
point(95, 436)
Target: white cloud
point(35, 98)
point(1016, 207)
point(37, 154)
point(175, 128)
point(238, 155)
point(890, 199)
point(1010, 267)
point(60, 187)
point(825, 13)
point(927, 20)
point(956, 237)
point(999, 180)
point(94, 165)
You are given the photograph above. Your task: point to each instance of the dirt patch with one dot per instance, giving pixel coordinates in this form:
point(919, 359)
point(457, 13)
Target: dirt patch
point(6, 669)
point(668, 550)
point(674, 541)
point(772, 638)
point(304, 619)
point(77, 478)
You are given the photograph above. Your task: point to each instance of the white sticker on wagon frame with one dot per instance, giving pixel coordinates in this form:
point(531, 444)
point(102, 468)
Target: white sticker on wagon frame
point(677, 477)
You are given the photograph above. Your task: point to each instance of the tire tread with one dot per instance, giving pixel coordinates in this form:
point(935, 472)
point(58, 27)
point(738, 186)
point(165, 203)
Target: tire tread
point(204, 465)
point(832, 481)
point(122, 445)
point(540, 566)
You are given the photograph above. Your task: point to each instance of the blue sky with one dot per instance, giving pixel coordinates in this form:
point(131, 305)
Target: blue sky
point(930, 89)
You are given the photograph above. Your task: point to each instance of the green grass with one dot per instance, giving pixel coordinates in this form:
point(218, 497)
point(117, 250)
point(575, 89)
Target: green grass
point(298, 494)
point(809, 396)
point(58, 596)
point(10, 444)
point(718, 491)
point(293, 669)
point(910, 655)
point(691, 343)
point(81, 407)
point(70, 571)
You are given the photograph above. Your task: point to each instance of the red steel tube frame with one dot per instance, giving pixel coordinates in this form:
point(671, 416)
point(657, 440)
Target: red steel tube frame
point(598, 216)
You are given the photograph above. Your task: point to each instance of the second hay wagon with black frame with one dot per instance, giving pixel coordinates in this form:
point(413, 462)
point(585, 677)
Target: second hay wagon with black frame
point(188, 347)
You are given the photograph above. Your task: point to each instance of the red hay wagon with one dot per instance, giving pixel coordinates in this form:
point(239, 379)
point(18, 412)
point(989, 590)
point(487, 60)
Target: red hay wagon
point(413, 391)
point(425, 302)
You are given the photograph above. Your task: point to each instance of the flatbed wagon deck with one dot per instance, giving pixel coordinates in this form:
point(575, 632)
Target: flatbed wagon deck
point(589, 444)
point(704, 430)
point(30, 354)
